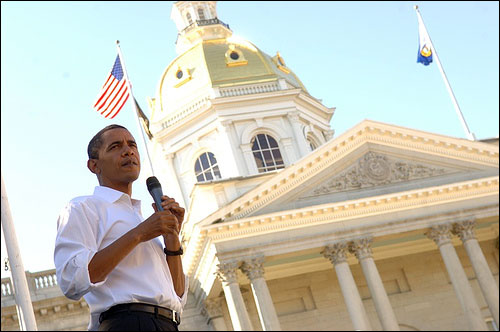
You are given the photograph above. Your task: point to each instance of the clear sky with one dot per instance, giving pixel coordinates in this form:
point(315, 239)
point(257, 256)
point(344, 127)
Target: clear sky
point(359, 57)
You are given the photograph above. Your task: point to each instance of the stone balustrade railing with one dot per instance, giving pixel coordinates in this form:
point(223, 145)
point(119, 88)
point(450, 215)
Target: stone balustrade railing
point(41, 284)
point(250, 89)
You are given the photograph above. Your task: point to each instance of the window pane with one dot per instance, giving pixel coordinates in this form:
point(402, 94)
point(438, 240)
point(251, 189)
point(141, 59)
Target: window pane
point(197, 167)
point(211, 156)
point(258, 159)
point(204, 161)
point(255, 145)
point(216, 171)
point(208, 176)
point(263, 141)
point(272, 142)
point(277, 157)
point(200, 178)
point(268, 158)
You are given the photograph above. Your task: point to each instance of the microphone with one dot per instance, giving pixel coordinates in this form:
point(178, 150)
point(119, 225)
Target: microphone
point(154, 188)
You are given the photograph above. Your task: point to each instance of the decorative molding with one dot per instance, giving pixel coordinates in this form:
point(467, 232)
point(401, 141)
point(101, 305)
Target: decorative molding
point(334, 212)
point(226, 272)
point(362, 248)
point(336, 252)
point(465, 229)
point(373, 170)
point(440, 234)
point(253, 268)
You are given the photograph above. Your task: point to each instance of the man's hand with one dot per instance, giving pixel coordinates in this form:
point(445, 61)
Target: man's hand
point(168, 204)
point(159, 223)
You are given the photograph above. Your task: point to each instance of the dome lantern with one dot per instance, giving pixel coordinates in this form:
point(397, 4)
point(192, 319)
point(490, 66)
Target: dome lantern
point(197, 21)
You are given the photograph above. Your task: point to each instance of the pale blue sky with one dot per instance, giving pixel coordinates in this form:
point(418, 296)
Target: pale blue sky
point(359, 57)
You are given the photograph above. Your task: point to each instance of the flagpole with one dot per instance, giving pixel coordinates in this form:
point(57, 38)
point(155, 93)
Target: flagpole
point(27, 321)
point(134, 106)
point(448, 86)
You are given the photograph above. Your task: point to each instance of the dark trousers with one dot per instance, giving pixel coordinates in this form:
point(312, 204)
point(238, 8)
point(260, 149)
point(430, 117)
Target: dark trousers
point(137, 321)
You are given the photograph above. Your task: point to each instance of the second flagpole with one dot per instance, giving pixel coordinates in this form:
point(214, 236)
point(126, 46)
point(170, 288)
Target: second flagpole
point(134, 106)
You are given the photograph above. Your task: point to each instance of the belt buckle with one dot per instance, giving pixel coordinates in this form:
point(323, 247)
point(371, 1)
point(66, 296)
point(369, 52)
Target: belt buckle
point(174, 317)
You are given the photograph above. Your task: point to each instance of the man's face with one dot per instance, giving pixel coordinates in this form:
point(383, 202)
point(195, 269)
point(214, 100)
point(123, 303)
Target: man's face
point(119, 161)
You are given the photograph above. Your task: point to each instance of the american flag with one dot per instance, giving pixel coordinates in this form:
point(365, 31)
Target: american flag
point(114, 93)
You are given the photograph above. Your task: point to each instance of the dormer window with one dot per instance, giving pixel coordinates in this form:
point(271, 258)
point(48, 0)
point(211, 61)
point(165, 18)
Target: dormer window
point(266, 153)
point(206, 167)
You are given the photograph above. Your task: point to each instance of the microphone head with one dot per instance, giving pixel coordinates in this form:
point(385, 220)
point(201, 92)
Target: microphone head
point(153, 183)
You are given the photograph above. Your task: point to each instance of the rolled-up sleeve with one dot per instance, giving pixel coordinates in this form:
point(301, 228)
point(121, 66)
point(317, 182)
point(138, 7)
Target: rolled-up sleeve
point(76, 244)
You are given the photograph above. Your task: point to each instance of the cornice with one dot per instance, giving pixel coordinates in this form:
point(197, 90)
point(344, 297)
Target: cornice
point(341, 212)
point(353, 209)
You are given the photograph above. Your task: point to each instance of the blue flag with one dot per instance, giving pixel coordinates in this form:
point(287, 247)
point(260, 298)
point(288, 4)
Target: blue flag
point(424, 48)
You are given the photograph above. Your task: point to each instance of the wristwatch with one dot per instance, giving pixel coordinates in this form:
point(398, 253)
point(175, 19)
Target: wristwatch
point(173, 253)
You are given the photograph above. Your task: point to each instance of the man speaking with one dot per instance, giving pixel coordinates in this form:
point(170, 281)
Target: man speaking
point(128, 269)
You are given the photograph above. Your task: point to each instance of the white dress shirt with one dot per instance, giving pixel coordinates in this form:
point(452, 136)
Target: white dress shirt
point(91, 223)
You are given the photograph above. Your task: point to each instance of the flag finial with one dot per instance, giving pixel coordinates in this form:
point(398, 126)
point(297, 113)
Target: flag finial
point(117, 42)
point(415, 7)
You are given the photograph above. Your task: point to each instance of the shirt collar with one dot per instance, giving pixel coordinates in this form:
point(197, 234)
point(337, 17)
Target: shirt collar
point(111, 195)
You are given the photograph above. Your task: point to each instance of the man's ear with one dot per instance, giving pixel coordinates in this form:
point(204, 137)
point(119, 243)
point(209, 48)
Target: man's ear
point(92, 166)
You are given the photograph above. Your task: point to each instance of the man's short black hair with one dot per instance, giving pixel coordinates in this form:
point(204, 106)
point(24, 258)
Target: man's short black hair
point(96, 142)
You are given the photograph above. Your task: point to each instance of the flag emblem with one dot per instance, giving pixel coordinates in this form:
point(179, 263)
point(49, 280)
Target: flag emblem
point(424, 47)
point(114, 93)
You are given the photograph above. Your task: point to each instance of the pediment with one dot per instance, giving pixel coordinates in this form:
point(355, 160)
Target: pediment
point(376, 169)
point(368, 160)
point(371, 173)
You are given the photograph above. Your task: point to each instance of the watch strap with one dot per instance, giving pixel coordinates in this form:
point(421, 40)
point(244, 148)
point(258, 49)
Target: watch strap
point(173, 253)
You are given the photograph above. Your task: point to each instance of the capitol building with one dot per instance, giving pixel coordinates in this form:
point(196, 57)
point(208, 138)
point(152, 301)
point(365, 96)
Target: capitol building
point(291, 226)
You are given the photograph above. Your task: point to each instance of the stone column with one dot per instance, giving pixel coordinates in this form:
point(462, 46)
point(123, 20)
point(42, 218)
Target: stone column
point(363, 251)
point(465, 230)
point(174, 180)
point(249, 159)
point(290, 156)
point(230, 159)
point(214, 311)
point(254, 270)
point(336, 253)
point(235, 304)
point(442, 236)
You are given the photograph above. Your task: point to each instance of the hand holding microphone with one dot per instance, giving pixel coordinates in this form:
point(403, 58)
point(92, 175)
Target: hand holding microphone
point(165, 203)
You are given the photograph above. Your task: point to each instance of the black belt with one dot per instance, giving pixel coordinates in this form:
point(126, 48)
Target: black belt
point(141, 307)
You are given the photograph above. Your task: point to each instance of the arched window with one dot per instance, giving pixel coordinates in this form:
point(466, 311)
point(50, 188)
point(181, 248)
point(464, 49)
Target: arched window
point(312, 143)
point(266, 153)
point(190, 20)
point(201, 13)
point(206, 167)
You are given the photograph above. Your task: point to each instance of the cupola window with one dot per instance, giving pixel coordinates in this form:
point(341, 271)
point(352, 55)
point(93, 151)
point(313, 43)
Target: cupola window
point(312, 143)
point(179, 74)
point(190, 20)
point(266, 153)
point(201, 14)
point(206, 167)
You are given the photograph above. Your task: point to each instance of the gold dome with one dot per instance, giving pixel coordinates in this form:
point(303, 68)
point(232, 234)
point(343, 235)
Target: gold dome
point(219, 63)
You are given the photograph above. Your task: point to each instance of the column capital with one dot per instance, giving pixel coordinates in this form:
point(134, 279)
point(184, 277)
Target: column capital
point(465, 229)
point(441, 234)
point(336, 252)
point(361, 247)
point(253, 267)
point(213, 307)
point(226, 272)
point(293, 116)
